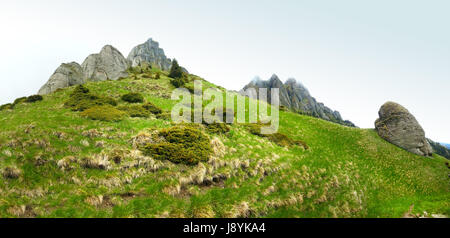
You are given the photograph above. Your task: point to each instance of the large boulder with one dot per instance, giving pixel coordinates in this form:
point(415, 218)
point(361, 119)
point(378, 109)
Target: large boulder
point(65, 76)
point(398, 126)
point(108, 64)
point(149, 52)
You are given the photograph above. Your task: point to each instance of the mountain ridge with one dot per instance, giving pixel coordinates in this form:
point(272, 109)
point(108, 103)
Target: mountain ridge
point(295, 96)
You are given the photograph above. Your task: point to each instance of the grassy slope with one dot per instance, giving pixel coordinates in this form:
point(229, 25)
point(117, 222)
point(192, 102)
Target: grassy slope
point(347, 172)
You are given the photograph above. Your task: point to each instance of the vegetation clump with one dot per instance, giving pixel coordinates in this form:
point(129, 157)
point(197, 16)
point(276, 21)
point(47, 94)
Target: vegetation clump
point(104, 113)
point(135, 110)
point(152, 108)
point(81, 99)
point(218, 128)
point(7, 106)
point(19, 100)
point(164, 116)
point(181, 144)
point(11, 173)
point(176, 72)
point(133, 98)
point(34, 98)
point(278, 138)
point(178, 82)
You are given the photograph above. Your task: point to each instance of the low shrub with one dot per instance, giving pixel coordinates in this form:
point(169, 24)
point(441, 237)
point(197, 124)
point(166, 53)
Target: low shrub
point(152, 108)
point(218, 128)
point(176, 72)
point(7, 106)
point(20, 100)
point(133, 98)
point(34, 98)
point(181, 144)
point(81, 99)
point(178, 82)
point(135, 110)
point(164, 116)
point(157, 75)
point(104, 113)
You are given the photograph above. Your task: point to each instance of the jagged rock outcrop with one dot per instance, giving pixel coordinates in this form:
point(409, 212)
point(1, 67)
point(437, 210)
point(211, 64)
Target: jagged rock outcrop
point(108, 64)
point(295, 96)
point(65, 76)
point(151, 53)
point(398, 126)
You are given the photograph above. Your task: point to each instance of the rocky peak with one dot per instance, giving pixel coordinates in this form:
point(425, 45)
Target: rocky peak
point(151, 53)
point(108, 64)
point(64, 76)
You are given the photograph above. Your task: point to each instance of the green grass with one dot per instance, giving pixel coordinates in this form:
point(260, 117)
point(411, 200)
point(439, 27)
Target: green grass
point(345, 172)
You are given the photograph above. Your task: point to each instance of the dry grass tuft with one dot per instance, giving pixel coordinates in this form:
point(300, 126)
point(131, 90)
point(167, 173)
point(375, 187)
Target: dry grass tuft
point(64, 163)
point(99, 161)
point(219, 149)
point(11, 173)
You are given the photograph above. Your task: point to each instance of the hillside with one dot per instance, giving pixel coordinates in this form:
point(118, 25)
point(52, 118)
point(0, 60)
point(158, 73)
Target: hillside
point(57, 163)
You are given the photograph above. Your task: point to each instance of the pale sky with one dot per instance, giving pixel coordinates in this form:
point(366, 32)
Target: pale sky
point(353, 55)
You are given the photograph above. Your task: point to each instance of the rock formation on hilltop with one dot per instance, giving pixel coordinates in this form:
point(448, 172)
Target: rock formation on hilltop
point(65, 76)
point(295, 96)
point(151, 53)
point(108, 64)
point(398, 126)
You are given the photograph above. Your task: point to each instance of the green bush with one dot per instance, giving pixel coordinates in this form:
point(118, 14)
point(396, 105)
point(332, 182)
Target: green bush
point(181, 144)
point(104, 113)
point(178, 82)
point(7, 106)
point(164, 116)
point(135, 110)
point(81, 99)
point(152, 108)
point(20, 100)
point(133, 98)
point(34, 98)
point(218, 128)
point(175, 71)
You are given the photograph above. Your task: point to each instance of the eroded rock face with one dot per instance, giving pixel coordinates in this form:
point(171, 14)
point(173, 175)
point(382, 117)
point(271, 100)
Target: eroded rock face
point(108, 64)
point(398, 126)
point(65, 76)
point(151, 53)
